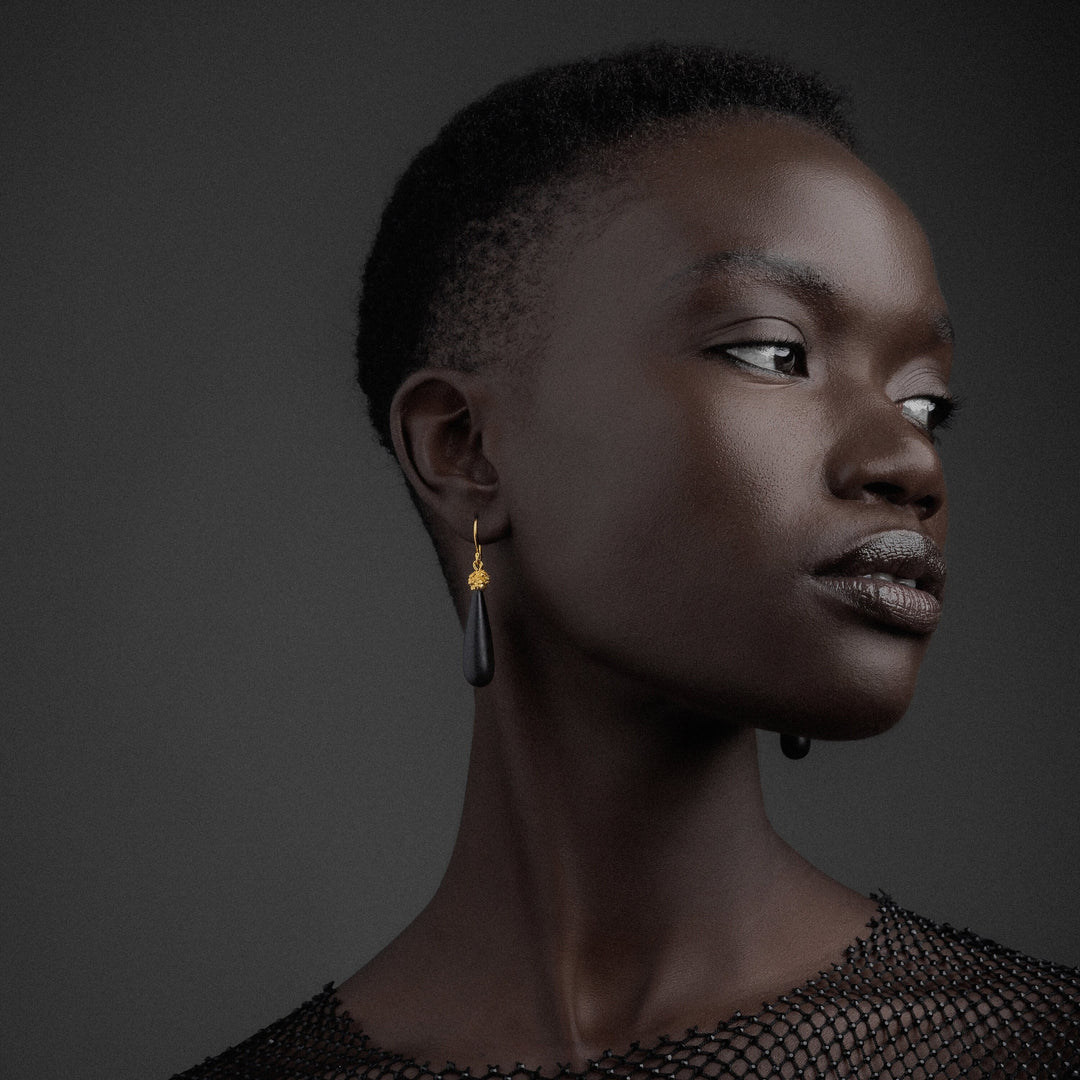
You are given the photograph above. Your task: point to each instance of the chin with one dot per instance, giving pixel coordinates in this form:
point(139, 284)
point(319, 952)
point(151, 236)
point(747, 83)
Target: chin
point(837, 695)
point(853, 709)
point(829, 709)
point(833, 687)
point(867, 687)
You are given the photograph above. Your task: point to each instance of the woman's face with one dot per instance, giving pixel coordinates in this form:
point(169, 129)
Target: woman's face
point(728, 427)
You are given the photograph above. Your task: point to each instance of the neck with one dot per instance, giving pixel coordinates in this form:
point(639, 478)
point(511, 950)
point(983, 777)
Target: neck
point(615, 878)
point(608, 826)
point(621, 857)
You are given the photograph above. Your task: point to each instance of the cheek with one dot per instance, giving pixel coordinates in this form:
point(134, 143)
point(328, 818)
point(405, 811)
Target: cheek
point(758, 470)
point(750, 475)
point(594, 503)
point(657, 509)
point(595, 463)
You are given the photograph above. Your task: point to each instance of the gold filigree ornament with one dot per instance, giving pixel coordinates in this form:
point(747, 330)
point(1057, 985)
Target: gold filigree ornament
point(479, 577)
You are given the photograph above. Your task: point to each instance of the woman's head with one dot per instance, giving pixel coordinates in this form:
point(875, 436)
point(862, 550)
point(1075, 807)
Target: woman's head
point(707, 361)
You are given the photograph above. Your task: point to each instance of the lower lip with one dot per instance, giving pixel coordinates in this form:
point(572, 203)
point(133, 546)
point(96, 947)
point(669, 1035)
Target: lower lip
point(899, 607)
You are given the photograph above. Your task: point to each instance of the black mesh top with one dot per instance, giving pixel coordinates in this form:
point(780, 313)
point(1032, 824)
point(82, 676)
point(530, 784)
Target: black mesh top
point(913, 999)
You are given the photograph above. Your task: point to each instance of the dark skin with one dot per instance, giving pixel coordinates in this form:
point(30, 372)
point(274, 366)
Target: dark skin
point(734, 388)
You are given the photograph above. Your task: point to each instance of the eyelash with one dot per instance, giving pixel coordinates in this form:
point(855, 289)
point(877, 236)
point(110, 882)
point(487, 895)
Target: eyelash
point(942, 415)
point(943, 412)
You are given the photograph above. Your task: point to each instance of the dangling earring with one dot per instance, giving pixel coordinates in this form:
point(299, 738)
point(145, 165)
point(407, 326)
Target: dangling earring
point(795, 746)
point(478, 659)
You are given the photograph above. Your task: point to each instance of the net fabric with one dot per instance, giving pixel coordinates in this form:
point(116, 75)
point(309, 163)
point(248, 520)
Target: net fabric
point(913, 999)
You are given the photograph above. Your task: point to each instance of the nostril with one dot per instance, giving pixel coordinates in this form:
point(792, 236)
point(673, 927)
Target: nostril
point(928, 505)
point(892, 492)
point(901, 496)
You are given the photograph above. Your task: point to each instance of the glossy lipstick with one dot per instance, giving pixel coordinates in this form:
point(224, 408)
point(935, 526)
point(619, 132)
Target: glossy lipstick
point(894, 578)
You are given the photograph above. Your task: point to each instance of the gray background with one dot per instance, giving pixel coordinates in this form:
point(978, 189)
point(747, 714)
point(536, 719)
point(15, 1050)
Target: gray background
point(237, 730)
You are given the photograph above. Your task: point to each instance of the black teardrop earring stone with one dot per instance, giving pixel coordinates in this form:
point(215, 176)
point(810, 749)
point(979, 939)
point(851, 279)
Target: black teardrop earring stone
point(478, 658)
point(794, 746)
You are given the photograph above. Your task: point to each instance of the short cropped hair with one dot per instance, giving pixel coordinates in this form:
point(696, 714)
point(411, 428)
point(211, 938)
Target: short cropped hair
point(443, 283)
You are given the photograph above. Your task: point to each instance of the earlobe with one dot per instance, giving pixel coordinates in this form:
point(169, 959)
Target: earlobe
point(436, 421)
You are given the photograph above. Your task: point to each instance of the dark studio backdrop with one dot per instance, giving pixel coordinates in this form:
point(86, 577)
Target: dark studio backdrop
point(236, 730)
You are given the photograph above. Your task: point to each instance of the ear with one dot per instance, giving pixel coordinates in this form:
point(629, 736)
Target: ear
point(437, 422)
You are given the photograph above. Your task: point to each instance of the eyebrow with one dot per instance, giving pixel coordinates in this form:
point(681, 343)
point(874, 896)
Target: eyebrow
point(799, 277)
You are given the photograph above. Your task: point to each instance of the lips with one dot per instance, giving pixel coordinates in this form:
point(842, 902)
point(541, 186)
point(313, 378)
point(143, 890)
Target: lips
point(894, 578)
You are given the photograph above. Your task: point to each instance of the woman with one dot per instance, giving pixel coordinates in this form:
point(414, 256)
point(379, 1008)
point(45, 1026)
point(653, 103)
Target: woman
point(662, 362)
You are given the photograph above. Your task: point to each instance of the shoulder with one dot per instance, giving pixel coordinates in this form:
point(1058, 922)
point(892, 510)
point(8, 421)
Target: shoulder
point(314, 1041)
point(964, 960)
point(979, 1001)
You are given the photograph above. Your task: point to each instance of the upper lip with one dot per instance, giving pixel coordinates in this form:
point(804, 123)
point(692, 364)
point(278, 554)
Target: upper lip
point(899, 552)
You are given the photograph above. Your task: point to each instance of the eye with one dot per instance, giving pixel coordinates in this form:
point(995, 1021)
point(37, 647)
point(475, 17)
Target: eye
point(929, 412)
point(783, 357)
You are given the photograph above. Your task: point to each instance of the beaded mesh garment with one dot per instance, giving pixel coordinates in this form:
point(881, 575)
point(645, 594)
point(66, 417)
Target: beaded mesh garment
point(914, 999)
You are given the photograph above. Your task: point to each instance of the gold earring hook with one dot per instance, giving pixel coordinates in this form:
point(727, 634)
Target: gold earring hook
point(479, 577)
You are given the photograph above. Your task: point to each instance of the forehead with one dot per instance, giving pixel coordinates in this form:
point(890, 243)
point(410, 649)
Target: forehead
point(774, 191)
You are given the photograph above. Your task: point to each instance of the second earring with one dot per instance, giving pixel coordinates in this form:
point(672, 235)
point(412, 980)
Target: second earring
point(795, 746)
point(478, 658)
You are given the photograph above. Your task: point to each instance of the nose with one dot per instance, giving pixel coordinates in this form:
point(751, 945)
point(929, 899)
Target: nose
point(879, 456)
